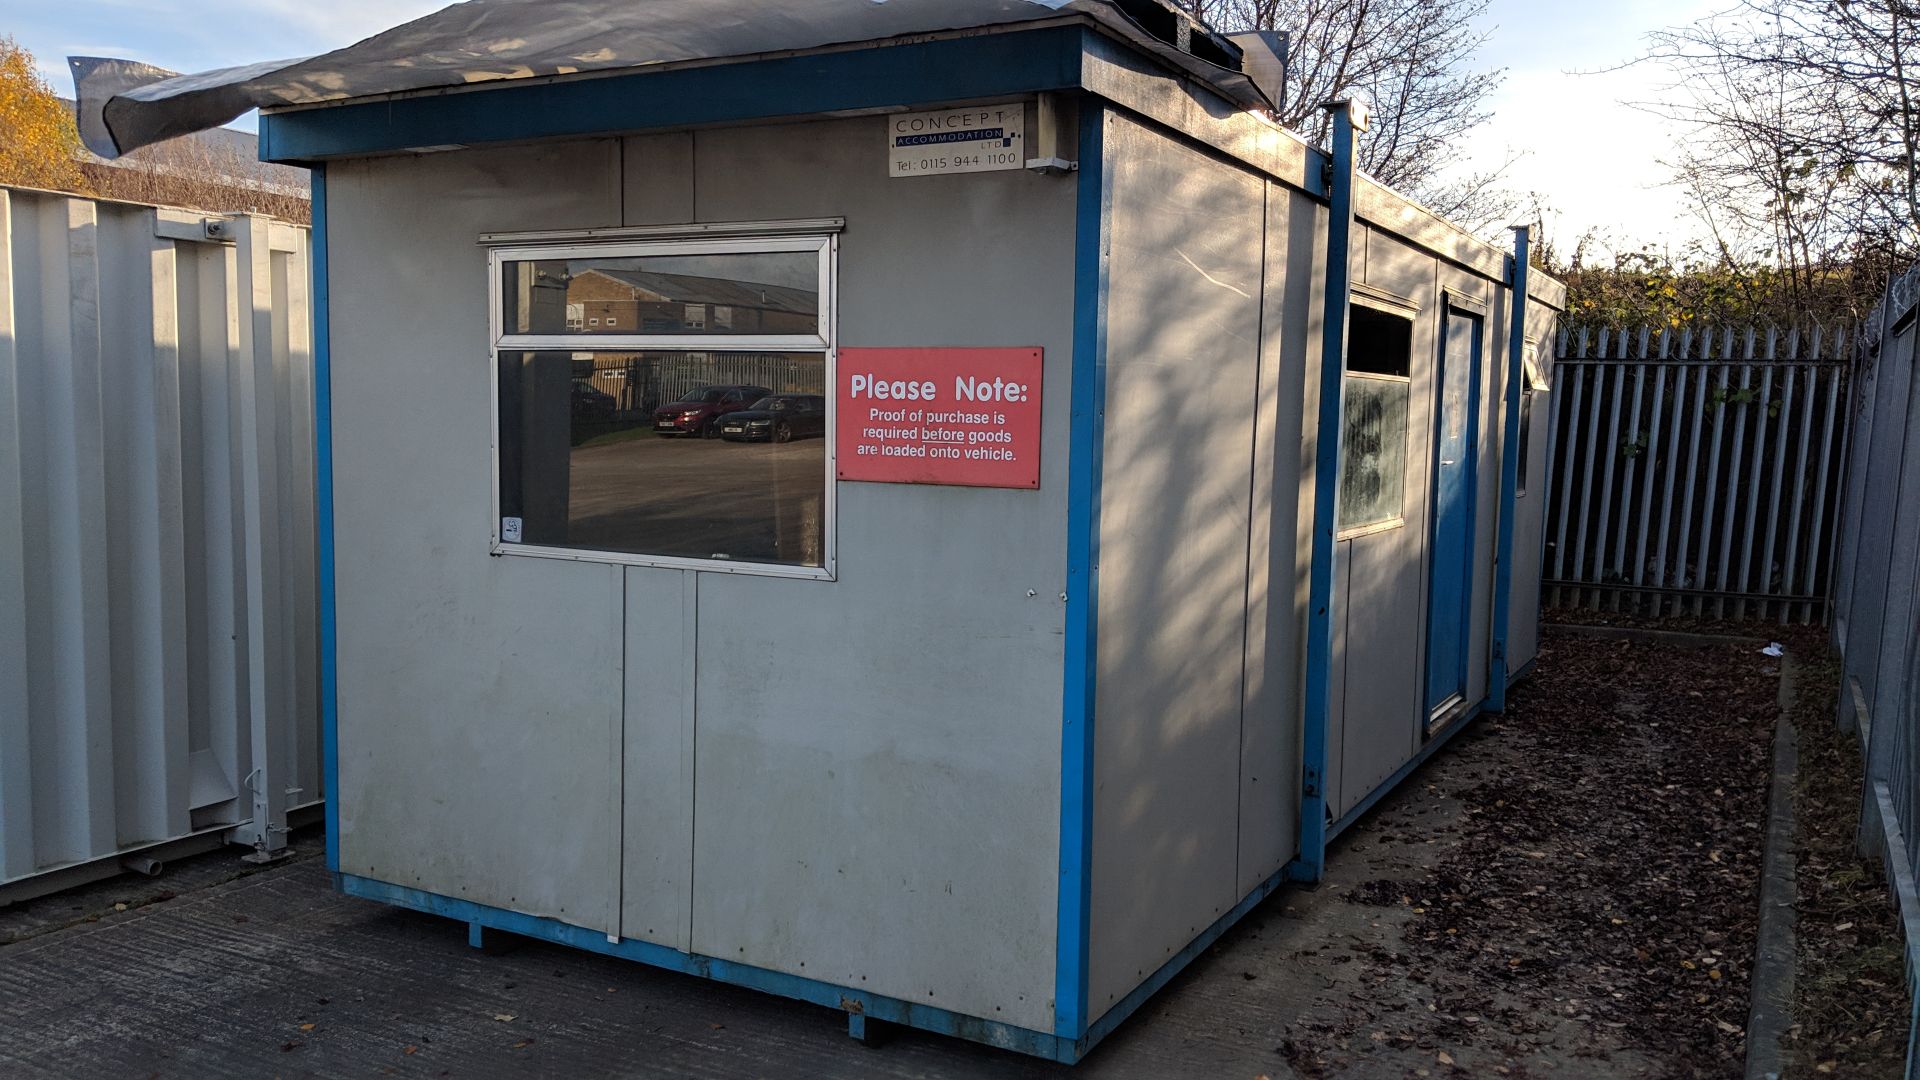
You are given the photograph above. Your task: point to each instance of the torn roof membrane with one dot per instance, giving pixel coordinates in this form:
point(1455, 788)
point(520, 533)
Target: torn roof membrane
point(124, 104)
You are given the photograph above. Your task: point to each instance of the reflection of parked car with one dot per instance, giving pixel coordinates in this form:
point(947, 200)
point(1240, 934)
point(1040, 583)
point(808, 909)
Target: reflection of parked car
point(777, 418)
point(591, 404)
point(696, 411)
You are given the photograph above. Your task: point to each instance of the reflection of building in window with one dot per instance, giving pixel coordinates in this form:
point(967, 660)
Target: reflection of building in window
point(1373, 435)
point(644, 301)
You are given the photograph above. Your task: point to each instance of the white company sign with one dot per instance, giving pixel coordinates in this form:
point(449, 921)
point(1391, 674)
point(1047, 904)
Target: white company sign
point(979, 139)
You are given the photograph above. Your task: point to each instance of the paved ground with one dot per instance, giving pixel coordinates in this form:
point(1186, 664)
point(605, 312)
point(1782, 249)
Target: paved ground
point(273, 974)
point(699, 497)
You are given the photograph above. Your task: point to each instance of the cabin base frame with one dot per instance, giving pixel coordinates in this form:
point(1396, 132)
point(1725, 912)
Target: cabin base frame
point(863, 1006)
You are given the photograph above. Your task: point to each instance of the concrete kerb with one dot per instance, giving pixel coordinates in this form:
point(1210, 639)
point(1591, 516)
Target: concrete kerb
point(1681, 638)
point(1770, 994)
point(1770, 1012)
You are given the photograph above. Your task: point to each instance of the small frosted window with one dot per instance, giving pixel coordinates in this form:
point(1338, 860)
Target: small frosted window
point(1373, 450)
point(1373, 430)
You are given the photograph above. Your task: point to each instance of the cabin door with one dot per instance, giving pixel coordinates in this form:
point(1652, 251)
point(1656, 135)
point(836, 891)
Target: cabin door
point(1457, 433)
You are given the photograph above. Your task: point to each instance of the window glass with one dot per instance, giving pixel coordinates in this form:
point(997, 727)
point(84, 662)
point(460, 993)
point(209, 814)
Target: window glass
point(741, 293)
point(1373, 449)
point(1536, 378)
point(1379, 343)
point(1373, 435)
point(670, 453)
point(1526, 438)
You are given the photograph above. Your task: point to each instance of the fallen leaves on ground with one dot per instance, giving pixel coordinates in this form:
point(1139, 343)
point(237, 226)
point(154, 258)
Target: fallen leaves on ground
point(1847, 934)
point(1600, 894)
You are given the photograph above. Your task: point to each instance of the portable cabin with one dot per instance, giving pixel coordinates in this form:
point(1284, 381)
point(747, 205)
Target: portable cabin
point(985, 695)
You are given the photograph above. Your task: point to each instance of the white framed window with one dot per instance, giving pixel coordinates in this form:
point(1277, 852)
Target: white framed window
point(1373, 434)
point(674, 441)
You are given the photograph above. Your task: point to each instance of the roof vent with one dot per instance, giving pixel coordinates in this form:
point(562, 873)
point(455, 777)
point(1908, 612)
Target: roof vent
point(1173, 25)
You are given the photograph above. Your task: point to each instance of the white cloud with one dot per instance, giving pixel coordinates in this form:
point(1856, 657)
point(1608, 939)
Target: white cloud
point(1592, 157)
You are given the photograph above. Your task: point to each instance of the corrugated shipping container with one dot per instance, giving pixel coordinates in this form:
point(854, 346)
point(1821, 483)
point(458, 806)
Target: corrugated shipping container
point(158, 657)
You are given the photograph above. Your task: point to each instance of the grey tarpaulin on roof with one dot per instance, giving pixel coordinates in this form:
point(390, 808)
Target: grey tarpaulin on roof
point(124, 105)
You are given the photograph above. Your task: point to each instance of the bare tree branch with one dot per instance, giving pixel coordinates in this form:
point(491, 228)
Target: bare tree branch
point(1411, 59)
point(1804, 122)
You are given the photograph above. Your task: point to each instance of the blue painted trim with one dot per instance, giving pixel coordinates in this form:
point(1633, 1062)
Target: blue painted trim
point(926, 72)
point(323, 514)
point(1094, 203)
point(480, 918)
point(1509, 474)
point(1310, 862)
point(871, 1005)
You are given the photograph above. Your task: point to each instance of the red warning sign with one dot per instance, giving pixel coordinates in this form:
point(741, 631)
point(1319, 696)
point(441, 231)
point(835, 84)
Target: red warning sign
point(969, 417)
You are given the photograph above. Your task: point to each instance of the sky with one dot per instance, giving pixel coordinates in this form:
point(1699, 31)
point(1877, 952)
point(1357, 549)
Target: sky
point(1566, 112)
point(1593, 159)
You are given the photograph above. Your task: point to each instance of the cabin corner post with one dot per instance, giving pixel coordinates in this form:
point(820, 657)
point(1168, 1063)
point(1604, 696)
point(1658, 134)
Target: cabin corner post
point(1498, 675)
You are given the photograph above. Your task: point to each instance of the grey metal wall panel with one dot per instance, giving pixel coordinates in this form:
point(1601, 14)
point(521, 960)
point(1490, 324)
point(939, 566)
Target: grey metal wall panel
point(1530, 510)
point(1529, 521)
point(657, 744)
point(1878, 565)
point(17, 858)
point(479, 697)
point(1861, 407)
point(1337, 681)
point(1183, 332)
point(879, 756)
point(1892, 385)
point(145, 543)
point(72, 684)
point(656, 178)
point(156, 612)
point(1887, 694)
point(1384, 604)
point(1280, 546)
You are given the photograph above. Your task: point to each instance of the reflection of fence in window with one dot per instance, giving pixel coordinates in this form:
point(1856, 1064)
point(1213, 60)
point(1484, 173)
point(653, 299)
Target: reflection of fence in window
point(638, 383)
point(1373, 443)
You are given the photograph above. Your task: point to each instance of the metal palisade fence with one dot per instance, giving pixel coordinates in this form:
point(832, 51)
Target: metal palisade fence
point(1876, 620)
point(1697, 472)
